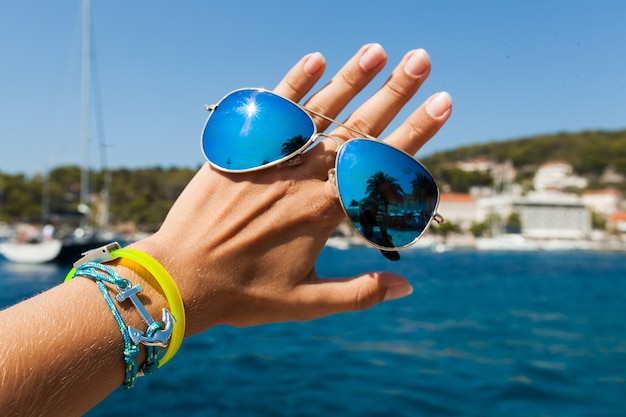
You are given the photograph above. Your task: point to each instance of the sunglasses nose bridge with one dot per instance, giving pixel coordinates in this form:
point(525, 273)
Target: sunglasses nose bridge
point(332, 177)
point(331, 137)
point(335, 122)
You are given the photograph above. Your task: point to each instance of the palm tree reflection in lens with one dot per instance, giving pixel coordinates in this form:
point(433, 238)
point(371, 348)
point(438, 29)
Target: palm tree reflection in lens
point(389, 198)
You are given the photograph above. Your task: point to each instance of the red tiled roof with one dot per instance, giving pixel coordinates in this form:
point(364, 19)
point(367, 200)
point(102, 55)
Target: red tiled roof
point(608, 191)
point(457, 197)
point(618, 217)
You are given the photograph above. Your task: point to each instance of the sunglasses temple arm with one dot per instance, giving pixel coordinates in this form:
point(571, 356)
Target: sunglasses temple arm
point(333, 121)
point(391, 254)
point(394, 255)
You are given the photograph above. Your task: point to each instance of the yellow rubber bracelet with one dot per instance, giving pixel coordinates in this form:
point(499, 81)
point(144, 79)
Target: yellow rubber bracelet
point(170, 291)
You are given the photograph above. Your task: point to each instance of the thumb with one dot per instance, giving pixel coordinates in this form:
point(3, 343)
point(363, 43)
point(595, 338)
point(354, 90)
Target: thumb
point(331, 296)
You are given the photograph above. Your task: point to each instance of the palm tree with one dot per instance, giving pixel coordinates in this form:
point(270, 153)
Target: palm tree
point(423, 186)
point(293, 144)
point(384, 189)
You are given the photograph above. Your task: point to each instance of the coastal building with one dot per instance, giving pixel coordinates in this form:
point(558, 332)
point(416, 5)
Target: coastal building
point(458, 208)
point(557, 175)
point(604, 202)
point(480, 164)
point(546, 214)
point(617, 222)
point(543, 215)
point(611, 176)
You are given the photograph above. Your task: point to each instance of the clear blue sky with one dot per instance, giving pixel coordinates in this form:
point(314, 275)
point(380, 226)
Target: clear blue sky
point(513, 68)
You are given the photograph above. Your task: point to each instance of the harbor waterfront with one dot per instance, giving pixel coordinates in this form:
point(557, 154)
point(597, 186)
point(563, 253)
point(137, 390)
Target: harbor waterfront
point(485, 333)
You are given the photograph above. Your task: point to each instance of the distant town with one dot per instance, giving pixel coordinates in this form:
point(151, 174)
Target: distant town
point(558, 213)
point(559, 191)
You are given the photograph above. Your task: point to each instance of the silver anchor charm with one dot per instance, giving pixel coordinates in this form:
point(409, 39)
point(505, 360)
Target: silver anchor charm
point(159, 338)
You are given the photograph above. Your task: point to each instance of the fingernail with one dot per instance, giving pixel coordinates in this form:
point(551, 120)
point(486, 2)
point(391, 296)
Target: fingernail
point(417, 63)
point(372, 57)
point(398, 291)
point(439, 105)
point(314, 63)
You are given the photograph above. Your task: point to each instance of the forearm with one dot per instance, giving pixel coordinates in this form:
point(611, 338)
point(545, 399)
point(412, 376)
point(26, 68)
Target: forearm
point(61, 352)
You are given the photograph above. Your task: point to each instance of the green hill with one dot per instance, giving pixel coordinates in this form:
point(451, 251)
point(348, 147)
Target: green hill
point(590, 153)
point(143, 196)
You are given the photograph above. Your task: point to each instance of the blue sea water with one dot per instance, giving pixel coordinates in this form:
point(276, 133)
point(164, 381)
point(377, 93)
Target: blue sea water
point(483, 334)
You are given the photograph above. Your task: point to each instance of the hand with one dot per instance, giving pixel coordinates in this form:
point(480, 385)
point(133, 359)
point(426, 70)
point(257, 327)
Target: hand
point(242, 247)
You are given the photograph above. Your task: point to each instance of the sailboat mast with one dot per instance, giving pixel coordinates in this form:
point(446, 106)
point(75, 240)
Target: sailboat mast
point(86, 83)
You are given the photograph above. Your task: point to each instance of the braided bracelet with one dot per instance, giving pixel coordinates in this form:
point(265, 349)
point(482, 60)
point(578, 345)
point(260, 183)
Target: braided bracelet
point(157, 334)
point(101, 273)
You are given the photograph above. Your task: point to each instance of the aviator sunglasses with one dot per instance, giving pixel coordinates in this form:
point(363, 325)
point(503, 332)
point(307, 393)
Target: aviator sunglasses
point(389, 197)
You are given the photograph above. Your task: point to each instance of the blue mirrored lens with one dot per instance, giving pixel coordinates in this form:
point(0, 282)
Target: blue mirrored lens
point(388, 196)
point(253, 128)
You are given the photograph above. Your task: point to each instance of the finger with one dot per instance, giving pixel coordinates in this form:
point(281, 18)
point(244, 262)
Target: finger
point(332, 296)
point(333, 97)
point(348, 82)
point(378, 111)
point(422, 125)
point(302, 77)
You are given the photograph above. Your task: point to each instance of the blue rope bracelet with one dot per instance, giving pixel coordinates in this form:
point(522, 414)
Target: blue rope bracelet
point(101, 273)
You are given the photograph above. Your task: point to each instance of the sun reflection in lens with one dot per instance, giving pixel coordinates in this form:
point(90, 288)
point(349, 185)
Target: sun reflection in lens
point(250, 110)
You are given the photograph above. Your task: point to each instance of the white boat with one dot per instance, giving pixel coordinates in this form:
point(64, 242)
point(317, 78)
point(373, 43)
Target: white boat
point(31, 253)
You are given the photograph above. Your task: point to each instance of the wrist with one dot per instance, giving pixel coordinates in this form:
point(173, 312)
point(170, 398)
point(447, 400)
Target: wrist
point(152, 296)
point(117, 293)
point(145, 287)
point(200, 311)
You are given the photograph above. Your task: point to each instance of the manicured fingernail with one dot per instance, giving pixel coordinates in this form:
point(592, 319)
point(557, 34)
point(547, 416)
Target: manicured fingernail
point(372, 57)
point(314, 63)
point(398, 291)
point(417, 63)
point(439, 105)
